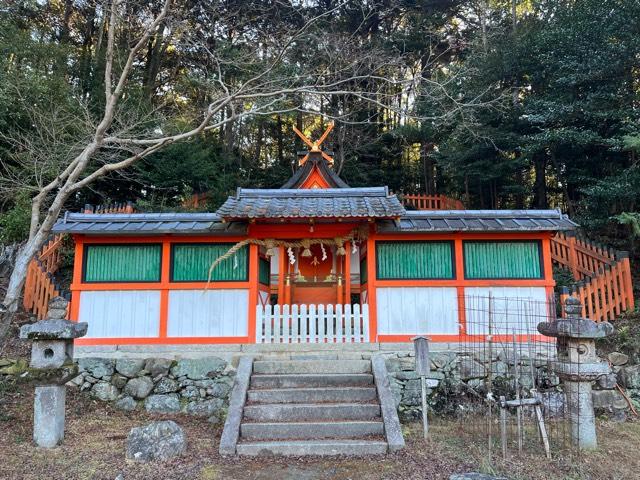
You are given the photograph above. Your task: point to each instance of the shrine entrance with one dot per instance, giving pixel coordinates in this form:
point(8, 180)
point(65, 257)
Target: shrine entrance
point(315, 281)
point(317, 276)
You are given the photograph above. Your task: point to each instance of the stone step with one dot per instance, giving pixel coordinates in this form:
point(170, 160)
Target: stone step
point(284, 412)
point(313, 447)
point(313, 395)
point(312, 366)
point(310, 430)
point(311, 380)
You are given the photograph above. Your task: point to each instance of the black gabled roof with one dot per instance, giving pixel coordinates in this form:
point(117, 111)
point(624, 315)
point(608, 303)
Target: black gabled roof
point(146, 223)
point(479, 221)
point(372, 202)
point(302, 173)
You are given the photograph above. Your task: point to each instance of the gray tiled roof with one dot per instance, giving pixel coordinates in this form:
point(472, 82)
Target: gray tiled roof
point(479, 221)
point(146, 223)
point(372, 202)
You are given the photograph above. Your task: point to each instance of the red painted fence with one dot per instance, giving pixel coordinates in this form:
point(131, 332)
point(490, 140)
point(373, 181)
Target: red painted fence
point(603, 276)
point(39, 286)
point(431, 202)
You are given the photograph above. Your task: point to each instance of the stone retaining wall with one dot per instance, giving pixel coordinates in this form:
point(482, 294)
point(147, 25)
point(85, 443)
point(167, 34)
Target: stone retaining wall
point(201, 386)
point(194, 386)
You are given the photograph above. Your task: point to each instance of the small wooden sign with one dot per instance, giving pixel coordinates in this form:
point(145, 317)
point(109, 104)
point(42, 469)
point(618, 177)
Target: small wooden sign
point(421, 348)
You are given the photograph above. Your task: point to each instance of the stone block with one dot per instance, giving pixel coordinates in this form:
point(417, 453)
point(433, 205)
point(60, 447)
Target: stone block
point(608, 401)
point(119, 381)
point(139, 387)
point(57, 329)
point(629, 376)
point(166, 385)
point(219, 390)
point(206, 408)
point(469, 368)
point(129, 367)
point(607, 382)
point(58, 303)
point(96, 367)
point(158, 366)
point(156, 441)
point(618, 359)
point(56, 313)
point(128, 404)
point(198, 368)
point(105, 391)
point(162, 403)
point(48, 353)
point(49, 415)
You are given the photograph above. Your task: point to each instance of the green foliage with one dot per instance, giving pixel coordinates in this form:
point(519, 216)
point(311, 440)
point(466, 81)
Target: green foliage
point(14, 223)
point(632, 220)
point(560, 127)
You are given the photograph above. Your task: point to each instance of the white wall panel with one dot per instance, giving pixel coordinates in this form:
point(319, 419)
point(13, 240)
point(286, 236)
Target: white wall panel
point(120, 313)
point(514, 310)
point(417, 310)
point(208, 313)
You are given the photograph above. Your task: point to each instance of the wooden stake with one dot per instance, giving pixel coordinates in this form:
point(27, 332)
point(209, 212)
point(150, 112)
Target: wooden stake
point(503, 426)
point(425, 422)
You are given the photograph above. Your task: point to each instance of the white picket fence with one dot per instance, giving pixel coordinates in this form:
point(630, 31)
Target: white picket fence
point(312, 323)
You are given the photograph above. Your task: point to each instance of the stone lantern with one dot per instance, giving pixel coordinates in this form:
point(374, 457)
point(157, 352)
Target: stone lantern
point(52, 363)
point(577, 365)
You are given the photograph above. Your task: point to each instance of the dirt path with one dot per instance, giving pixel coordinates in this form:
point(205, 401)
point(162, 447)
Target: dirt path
point(96, 434)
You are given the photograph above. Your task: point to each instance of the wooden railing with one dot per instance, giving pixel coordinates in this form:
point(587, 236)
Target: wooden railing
point(313, 323)
point(603, 276)
point(125, 207)
point(431, 202)
point(196, 200)
point(39, 286)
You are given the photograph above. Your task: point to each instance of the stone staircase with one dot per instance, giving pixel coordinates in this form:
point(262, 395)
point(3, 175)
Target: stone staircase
point(313, 406)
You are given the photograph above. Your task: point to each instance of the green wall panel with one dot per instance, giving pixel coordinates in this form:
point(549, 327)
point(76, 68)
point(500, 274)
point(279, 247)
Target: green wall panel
point(191, 263)
point(414, 260)
point(264, 272)
point(363, 271)
point(122, 263)
point(502, 260)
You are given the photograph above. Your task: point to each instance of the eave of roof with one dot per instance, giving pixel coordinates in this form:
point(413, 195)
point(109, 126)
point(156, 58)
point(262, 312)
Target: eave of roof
point(147, 224)
point(371, 202)
point(479, 221)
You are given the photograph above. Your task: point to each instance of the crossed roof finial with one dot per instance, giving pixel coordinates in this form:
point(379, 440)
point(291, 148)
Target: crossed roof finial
point(315, 146)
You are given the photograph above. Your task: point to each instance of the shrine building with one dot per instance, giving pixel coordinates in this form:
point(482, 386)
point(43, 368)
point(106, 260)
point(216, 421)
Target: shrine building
point(315, 261)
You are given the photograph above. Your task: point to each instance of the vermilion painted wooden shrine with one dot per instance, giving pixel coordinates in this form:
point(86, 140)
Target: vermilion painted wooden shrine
point(314, 261)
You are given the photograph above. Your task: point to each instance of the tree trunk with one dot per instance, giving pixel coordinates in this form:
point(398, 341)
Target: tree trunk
point(519, 179)
point(540, 185)
point(429, 169)
point(280, 141)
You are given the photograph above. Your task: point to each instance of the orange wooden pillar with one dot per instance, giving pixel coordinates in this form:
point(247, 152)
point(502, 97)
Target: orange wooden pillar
point(347, 273)
point(74, 310)
point(371, 288)
point(573, 255)
point(164, 288)
point(459, 275)
point(253, 291)
point(282, 266)
point(628, 283)
point(547, 269)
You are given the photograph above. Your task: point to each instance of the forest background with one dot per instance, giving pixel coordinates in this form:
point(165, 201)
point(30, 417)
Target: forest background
point(538, 103)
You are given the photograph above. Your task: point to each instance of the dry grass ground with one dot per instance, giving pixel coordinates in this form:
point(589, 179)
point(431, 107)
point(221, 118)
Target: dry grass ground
point(96, 433)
